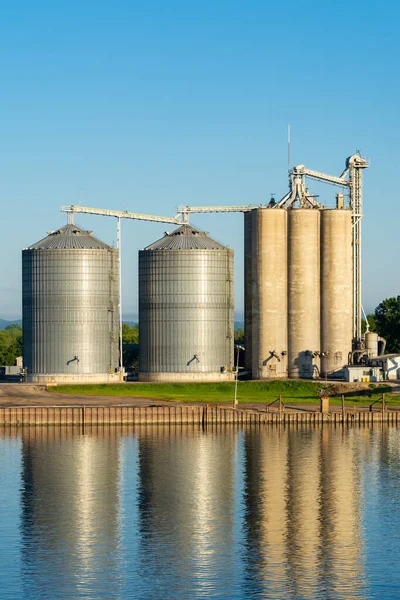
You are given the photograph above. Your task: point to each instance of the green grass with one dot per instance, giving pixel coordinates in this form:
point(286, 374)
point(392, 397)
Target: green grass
point(248, 391)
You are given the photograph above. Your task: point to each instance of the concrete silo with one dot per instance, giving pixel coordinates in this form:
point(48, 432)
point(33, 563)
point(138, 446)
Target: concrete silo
point(248, 289)
point(70, 308)
point(336, 289)
point(269, 297)
point(304, 292)
point(185, 308)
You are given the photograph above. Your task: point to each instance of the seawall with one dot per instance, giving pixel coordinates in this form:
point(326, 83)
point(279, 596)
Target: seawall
point(178, 414)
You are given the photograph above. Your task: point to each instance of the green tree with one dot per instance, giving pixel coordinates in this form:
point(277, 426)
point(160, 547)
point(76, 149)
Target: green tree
point(387, 318)
point(371, 322)
point(10, 344)
point(130, 334)
point(239, 335)
point(130, 342)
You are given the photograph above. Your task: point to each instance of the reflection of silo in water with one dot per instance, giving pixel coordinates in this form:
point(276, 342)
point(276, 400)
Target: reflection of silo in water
point(70, 520)
point(266, 488)
point(303, 522)
point(342, 560)
point(186, 505)
point(304, 540)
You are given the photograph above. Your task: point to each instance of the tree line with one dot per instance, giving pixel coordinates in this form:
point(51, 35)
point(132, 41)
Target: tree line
point(10, 344)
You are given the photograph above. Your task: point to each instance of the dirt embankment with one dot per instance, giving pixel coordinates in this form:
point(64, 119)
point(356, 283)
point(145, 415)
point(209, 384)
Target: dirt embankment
point(24, 394)
point(361, 389)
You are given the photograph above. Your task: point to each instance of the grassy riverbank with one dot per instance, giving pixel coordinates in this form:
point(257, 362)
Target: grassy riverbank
point(248, 391)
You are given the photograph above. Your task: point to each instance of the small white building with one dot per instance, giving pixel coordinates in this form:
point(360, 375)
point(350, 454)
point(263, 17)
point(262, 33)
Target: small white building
point(389, 364)
point(363, 373)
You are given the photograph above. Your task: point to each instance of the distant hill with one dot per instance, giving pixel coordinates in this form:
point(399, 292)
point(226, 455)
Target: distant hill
point(4, 323)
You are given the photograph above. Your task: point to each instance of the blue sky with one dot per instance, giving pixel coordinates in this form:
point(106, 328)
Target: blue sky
point(144, 106)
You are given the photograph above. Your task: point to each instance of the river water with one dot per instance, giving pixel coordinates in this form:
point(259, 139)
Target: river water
point(270, 512)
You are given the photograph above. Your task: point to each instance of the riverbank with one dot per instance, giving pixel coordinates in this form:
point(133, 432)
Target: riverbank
point(196, 404)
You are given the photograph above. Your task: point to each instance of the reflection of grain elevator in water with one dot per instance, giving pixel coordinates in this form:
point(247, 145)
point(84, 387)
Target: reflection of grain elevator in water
point(302, 285)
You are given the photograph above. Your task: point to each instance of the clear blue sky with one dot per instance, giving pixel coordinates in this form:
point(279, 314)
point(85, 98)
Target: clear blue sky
point(144, 106)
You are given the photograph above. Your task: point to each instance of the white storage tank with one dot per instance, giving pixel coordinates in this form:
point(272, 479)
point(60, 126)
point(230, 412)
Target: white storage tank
point(371, 343)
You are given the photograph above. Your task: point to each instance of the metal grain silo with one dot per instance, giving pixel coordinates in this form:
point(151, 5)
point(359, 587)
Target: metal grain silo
point(270, 281)
point(304, 292)
point(185, 308)
point(336, 289)
point(70, 308)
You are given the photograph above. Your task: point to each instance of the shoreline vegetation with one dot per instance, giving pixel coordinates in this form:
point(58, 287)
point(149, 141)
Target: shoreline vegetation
point(292, 392)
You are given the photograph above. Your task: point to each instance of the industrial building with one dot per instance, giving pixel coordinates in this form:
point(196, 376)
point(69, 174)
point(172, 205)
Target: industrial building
point(302, 308)
point(302, 287)
point(70, 309)
point(298, 310)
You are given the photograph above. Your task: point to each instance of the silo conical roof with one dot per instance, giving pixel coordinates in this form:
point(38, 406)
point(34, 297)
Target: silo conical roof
point(186, 237)
point(69, 237)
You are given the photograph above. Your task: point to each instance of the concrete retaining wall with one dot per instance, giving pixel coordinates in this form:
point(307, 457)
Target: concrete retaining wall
point(176, 415)
point(65, 379)
point(186, 377)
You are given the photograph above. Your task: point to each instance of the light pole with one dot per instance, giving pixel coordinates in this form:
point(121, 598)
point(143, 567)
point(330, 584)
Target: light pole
point(238, 348)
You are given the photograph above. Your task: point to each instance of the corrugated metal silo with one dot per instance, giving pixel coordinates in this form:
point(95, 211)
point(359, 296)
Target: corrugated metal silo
point(70, 308)
point(248, 289)
point(304, 292)
point(270, 288)
point(185, 308)
point(336, 289)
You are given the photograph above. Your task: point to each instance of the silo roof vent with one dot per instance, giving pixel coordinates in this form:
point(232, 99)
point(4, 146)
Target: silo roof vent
point(69, 237)
point(186, 237)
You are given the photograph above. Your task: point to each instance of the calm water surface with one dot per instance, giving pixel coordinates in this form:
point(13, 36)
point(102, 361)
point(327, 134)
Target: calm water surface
point(185, 513)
